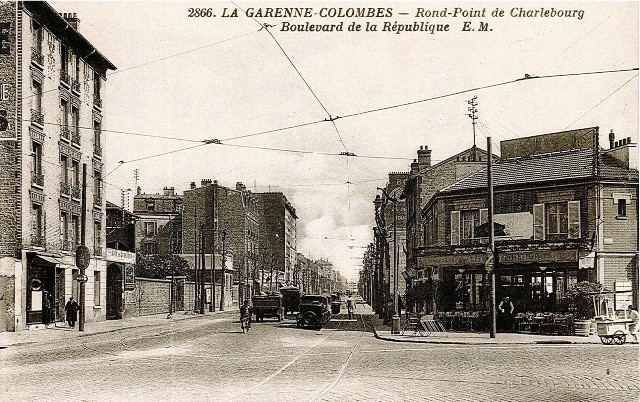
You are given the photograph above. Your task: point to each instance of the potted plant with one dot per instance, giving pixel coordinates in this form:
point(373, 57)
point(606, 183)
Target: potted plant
point(579, 300)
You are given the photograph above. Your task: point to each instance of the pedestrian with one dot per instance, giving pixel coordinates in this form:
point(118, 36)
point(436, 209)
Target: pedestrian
point(633, 327)
point(506, 311)
point(351, 305)
point(71, 311)
point(46, 307)
point(245, 316)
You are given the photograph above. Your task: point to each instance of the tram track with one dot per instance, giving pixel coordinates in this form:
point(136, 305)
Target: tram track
point(308, 353)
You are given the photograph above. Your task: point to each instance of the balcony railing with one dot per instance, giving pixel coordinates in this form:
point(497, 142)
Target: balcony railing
point(37, 117)
point(37, 178)
point(65, 77)
point(97, 101)
point(37, 56)
point(97, 251)
point(75, 192)
point(75, 137)
point(97, 200)
point(65, 134)
point(66, 245)
point(75, 85)
point(65, 188)
point(37, 240)
point(97, 149)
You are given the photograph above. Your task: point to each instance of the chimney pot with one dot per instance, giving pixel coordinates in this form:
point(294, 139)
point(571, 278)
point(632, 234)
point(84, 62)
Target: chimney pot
point(138, 190)
point(628, 140)
point(192, 185)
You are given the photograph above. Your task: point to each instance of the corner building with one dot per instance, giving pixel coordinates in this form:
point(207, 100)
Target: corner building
point(51, 109)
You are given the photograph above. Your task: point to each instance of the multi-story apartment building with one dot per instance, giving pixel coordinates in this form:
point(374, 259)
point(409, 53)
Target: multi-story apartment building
point(566, 210)
point(159, 223)
point(278, 222)
point(51, 131)
point(215, 210)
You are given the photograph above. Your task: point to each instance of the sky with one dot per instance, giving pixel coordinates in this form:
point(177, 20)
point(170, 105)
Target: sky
point(197, 78)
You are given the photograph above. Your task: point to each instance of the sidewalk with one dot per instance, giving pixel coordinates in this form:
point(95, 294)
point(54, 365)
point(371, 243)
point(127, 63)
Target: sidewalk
point(383, 332)
point(62, 331)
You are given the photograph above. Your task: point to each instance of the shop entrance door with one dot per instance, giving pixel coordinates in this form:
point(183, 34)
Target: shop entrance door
point(58, 302)
point(114, 292)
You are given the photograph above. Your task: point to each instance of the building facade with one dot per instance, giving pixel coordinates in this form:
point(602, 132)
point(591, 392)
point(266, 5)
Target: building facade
point(565, 211)
point(215, 210)
point(51, 105)
point(278, 231)
point(158, 229)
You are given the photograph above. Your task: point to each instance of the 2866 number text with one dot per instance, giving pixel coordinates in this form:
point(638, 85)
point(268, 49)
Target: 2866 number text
point(200, 12)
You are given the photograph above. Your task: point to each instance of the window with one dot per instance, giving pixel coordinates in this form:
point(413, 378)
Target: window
point(151, 206)
point(77, 68)
point(557, 222)
point(37, 36)
point(470, 220)
point(97, 237)
point(36, 225)
point(64, 58)
point(97, 187)
point(97, 130)
point(96, 288)
point(75, 235)
point(64, 109)
point(64, 230)
point(37, 96)
point(150, 248)
point(150, 229)
point(625, 297)
point(75, 120)
point(622, 207)
point(36, 155)
point(96, 86)
point(64, 170)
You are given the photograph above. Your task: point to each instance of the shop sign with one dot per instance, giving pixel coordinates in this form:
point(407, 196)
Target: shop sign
point(454, 260)
point(543, 256)
point(129, 277)
point(126, 257)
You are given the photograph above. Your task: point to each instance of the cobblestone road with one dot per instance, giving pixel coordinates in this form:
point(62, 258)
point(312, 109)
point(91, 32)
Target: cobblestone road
point(210, 358)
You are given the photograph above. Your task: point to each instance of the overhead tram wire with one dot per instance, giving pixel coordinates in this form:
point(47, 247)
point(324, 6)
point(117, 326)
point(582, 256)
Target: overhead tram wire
point(332, 119)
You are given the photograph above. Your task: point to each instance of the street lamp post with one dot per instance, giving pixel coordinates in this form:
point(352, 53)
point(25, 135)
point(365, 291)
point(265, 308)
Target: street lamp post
point(395, 320)
point(223, 236)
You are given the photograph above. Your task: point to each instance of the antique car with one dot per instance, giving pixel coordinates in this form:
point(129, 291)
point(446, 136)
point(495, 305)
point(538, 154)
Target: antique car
point(314, 311)
point(267, 306)
point(290, 298)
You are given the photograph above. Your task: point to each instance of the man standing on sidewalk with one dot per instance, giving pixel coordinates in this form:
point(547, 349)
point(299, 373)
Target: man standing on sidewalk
point(351, 305)
point(71, 311)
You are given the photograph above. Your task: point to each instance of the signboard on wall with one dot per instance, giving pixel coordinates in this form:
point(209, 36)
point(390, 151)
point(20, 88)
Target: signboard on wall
point(8, 71)
point(129, 277)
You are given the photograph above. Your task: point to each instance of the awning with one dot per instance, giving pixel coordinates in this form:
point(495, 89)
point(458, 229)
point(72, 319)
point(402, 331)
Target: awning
point(46, 260)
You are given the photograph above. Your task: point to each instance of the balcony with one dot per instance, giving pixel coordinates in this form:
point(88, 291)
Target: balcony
point(66, 245)
point(75, 138)
point(97, 251)
point(65, 189)
point(75, 192)
point(97, 101)
point(37, 179)
point(65, 78)
point(37, 117)
point(37, 240)
point(97, 200)
point(97, 150)
point(65, 134)
point(37, 57)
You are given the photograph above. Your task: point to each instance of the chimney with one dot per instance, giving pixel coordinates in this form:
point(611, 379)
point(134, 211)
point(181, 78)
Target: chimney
point(205, 182)
point(628, 140)
point(612, 138)
point(192, 185)
point(424, 157)
point(138, 191)
point(72, 19)
point(240, 186)
point(168, 191)
point(415, 168)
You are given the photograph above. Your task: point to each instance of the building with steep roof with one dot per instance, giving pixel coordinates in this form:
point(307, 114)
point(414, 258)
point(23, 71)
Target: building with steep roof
point(565, 211)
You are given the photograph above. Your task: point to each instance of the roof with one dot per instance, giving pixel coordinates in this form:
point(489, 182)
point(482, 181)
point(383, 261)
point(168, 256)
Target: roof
point(550, 167)
point(48, 16)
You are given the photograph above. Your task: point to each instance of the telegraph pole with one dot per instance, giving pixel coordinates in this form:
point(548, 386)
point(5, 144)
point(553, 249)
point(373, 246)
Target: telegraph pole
point(490, 264)
point(82, 261)
point(203, 293)
point(223, 235)
point(195, 256)
point(213, 254)
point(473, 116)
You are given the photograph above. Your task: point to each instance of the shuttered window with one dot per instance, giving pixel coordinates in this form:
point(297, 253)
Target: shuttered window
point(538, 222)
point(455, 228)
point(573, 212)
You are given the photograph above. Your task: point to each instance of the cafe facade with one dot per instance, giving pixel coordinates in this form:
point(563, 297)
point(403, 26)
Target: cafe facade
point(565, 211)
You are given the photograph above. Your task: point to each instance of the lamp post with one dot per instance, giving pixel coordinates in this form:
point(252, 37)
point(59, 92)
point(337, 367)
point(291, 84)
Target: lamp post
point(223, 236)
point(395, 320)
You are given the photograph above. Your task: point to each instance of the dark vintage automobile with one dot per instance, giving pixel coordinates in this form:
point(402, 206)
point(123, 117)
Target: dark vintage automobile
point(314, 311)
point(267, 306)
point(290, 298)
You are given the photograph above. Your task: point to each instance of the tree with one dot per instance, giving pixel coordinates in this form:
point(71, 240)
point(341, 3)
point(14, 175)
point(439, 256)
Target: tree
point(161, 266)
point(579, 299)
